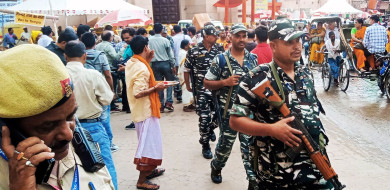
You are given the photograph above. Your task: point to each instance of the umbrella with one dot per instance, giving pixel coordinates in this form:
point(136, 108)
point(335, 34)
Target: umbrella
point(318, 14)
point(265, 14)
point(123, 18)
point(337, 7)
point(364, 15)
point(375, 12)
point(302, 15)
point(261, 15)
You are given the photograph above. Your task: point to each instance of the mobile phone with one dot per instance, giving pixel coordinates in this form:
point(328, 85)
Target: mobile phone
point(44, 168)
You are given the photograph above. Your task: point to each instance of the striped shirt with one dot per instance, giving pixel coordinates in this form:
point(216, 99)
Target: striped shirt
point(375, 38)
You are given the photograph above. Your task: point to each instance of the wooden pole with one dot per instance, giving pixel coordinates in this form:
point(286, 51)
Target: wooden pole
point(54, 21)
point(226, 11)
point(273, 9)
point(244, 11)
point(253, 12)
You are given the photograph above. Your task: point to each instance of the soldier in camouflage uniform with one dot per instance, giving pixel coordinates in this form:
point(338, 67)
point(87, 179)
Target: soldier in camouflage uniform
point(220, 78)
point(255, 116)
point(198, 61)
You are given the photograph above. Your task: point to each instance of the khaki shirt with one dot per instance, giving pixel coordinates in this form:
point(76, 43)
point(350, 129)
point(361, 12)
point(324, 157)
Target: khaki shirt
point(137, 80)
point(100, 179)
point(91, 90)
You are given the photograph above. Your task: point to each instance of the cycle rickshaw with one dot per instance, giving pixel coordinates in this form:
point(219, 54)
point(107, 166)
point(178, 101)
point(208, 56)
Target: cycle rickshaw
point(381, 75)
point(344, 65)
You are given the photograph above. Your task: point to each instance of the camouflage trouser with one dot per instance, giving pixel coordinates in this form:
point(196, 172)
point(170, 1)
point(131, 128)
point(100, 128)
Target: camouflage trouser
point(204, 109)
point(226, 139)
point(317, 185)
point(276, 171)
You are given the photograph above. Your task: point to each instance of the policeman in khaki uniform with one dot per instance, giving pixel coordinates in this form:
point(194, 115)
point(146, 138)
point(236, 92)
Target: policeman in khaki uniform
point(38, 101)
point(256, 116)
point(223, 77)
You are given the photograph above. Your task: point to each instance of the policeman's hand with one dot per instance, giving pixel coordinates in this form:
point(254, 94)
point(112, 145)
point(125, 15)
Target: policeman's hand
point(283, 132)
point(22, 176)
point(121, 68)
point(232, 80)
point(160, 86)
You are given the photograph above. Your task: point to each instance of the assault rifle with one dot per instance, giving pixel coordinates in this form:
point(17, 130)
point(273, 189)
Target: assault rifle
point(266, 91)
point(193, 85)
point(217, 107)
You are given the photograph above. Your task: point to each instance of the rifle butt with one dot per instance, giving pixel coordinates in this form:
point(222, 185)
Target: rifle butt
point(323, 164)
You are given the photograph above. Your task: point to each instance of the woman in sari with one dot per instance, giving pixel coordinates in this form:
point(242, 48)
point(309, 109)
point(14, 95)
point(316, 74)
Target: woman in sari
point(388, 38)
point(319, 32)
point(357, 34)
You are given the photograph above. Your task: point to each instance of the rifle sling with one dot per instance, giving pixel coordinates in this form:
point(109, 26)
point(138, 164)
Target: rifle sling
point(230, 90)
point(281, 91)
point(272, 103)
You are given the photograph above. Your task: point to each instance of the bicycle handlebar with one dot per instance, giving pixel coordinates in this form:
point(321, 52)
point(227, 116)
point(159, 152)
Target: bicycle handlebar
point(380, 57)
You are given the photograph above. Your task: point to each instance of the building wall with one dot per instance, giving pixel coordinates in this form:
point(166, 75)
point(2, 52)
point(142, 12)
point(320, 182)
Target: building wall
point(190, 7)
point(302, 4)
point(146, 4)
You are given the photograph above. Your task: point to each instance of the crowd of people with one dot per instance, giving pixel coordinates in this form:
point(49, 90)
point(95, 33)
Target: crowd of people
point(212, 71)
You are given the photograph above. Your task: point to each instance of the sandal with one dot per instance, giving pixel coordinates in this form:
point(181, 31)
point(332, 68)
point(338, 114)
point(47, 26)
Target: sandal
point(156, 172)
point(147, 185)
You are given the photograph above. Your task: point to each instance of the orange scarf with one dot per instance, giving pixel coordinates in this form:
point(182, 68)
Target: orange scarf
point(155, 104)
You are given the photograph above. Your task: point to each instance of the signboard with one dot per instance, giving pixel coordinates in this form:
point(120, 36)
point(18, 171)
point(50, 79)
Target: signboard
point(4, 17)
point(371, 4)
point(7, 18)
point(29, 19)
point(261, 5)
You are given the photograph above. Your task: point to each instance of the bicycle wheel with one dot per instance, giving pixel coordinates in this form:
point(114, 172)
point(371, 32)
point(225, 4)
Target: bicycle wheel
point(387, 86)
point(326, 77)
point(343, 76)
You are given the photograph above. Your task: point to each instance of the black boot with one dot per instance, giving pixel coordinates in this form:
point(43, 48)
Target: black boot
point(253, 185)
point(216, 176)
point(212, 136)
point(206, 151)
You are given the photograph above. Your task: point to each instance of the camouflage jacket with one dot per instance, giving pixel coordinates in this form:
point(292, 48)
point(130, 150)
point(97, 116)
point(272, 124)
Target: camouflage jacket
point(220, 71)
point(199, 60)
point(274, 165)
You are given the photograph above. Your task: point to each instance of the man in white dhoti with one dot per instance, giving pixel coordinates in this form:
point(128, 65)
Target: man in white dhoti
point(142, 93)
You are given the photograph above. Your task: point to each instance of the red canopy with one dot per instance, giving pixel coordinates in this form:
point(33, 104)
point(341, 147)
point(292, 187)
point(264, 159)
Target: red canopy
point(232, 3)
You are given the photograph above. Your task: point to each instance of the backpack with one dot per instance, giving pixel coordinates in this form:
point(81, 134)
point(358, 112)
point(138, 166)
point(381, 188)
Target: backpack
point(91, 59)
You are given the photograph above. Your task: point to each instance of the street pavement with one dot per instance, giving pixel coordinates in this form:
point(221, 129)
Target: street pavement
point(356, 123)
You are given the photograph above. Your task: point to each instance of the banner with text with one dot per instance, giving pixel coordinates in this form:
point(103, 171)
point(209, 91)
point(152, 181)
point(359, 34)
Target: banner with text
point(261, 5)
point(29, 19)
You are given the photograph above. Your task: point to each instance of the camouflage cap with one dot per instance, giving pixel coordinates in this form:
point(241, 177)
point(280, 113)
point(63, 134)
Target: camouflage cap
point(284, 30)
point(238, 28)
point(164, 30)
point(210, 30)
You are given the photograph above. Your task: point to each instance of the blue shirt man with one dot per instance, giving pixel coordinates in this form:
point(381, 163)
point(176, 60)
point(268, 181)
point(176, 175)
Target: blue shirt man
point(9, 39)
point(375, 38)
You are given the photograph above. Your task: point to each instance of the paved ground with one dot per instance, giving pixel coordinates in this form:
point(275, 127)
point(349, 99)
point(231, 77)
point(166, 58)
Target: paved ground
point(360, 162)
